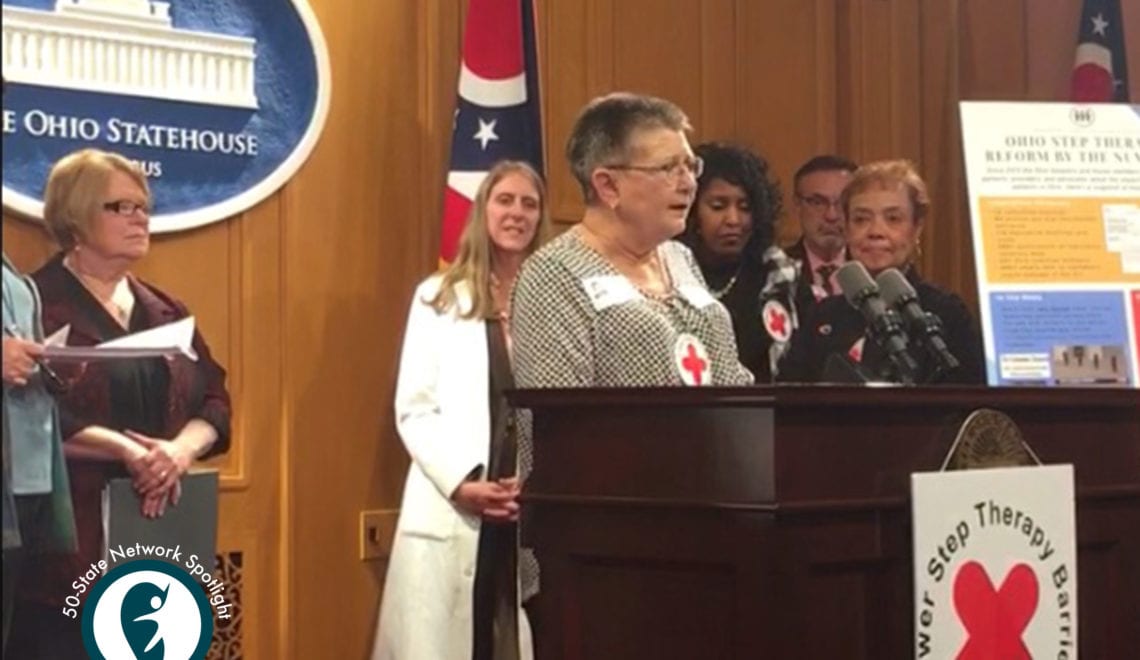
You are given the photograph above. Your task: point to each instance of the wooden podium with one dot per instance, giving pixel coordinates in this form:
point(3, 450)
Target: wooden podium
point(701, 523)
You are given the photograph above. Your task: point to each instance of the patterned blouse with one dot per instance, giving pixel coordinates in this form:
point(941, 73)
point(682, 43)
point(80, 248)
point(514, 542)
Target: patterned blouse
point(577, 322)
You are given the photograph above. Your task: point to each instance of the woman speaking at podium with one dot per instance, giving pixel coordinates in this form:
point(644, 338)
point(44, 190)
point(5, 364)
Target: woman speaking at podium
point(613, 302)
point(885, 205)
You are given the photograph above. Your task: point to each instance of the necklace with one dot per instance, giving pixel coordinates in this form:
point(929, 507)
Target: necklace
point(120, 310)
point(723, 291)
point(500, 299)
point(666, 280)
point(654, 261)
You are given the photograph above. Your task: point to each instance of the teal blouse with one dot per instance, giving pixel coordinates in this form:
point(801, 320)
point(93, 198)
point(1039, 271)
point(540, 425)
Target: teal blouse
point(33, 451)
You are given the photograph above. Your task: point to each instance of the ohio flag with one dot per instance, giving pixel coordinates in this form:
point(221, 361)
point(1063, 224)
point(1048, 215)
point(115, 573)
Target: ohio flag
point(497, 112)
point(1100, 72)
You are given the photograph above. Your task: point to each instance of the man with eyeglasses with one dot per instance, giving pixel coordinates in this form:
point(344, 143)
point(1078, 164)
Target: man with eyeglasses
point(821, 249)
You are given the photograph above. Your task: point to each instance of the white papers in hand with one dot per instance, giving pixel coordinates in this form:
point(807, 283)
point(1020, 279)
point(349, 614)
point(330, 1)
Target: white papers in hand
point(166, 340)
point(59, 337)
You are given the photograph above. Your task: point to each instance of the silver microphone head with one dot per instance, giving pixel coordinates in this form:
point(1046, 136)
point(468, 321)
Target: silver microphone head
point(855, 281)
point(894, 287)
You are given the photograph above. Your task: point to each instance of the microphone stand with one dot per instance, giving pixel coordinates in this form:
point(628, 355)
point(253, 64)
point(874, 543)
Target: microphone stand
point(923, 327)
point(929, 333)
point(887, 331)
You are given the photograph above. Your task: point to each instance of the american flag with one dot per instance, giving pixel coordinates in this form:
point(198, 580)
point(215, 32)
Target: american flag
point(1100, 72)
point(497, 113)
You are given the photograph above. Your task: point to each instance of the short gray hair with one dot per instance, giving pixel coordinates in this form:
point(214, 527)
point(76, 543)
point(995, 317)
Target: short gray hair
point(602, 130)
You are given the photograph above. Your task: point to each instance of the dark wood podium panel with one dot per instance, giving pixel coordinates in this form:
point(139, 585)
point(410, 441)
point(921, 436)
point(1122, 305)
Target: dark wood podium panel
point(775, 522)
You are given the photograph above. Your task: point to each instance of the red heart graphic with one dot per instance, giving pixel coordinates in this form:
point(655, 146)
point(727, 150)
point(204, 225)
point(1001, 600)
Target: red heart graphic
point(995, 618)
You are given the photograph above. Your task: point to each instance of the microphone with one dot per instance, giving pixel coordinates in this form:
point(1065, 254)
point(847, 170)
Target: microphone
point(884, 324)
point(924, 327)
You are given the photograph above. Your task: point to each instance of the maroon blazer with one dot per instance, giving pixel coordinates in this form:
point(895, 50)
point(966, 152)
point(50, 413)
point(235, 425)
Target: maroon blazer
point(196, 390)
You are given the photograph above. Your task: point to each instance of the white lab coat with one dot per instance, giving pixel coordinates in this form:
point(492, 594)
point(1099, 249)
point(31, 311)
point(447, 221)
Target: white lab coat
point(443, 418)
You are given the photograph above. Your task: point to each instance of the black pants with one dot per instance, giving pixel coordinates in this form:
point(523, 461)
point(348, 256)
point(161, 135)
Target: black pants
point(34, 630)
point(42, 632)
point(531, 608)
point(495, 609)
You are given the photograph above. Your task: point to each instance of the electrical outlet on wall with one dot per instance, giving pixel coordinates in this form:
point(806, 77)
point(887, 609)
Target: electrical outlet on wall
point(377, 527)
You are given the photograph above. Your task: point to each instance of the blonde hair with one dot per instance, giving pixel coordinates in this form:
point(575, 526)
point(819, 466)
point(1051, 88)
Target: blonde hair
point(76, 188)
point(888, 175)
point(472, 265)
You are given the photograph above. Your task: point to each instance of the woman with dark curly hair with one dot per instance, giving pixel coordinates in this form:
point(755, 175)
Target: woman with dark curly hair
point(731, 230)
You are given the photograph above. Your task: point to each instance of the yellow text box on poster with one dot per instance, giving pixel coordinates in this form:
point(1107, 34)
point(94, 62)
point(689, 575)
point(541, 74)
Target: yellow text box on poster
point(1033, 240)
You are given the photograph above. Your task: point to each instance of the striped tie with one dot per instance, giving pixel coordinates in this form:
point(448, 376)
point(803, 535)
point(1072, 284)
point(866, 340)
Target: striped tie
point(825, 272)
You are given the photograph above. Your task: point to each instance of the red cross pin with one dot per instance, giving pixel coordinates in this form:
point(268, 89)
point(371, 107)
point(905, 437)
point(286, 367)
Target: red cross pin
point(692, 360)
point(777, 321)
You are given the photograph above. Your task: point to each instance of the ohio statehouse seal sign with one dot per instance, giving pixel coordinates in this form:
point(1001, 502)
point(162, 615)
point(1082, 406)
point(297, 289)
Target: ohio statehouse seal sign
point(988, 438)
point(219, 101)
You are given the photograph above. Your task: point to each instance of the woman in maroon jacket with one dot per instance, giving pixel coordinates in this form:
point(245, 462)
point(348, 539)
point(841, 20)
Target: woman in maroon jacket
point(147, 418)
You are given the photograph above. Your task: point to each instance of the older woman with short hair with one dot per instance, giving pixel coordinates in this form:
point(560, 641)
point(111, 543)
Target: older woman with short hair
point(146, 418)
point(614, 302)
point(886, 206)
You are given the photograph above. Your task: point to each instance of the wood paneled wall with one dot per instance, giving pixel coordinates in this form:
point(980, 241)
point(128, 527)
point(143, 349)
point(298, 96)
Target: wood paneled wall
point(303, 298)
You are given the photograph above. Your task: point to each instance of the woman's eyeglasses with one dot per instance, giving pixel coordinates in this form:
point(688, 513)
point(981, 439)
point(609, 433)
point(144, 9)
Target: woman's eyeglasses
point(126, 207)
point(673, 171)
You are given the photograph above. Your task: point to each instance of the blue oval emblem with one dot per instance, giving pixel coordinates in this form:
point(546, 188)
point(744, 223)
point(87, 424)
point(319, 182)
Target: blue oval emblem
point(219, 101)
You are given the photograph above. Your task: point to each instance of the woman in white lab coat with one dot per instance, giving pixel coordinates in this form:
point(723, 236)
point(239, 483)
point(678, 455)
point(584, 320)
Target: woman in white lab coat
point(458, 534)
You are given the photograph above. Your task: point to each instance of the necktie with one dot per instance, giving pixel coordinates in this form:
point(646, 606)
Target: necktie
point(825, 271)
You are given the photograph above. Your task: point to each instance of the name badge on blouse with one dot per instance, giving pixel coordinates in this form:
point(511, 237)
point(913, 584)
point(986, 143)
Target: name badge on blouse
point(698, 296)
point(609, 290)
